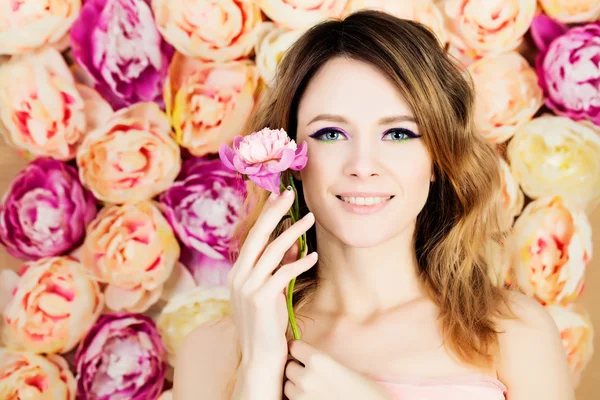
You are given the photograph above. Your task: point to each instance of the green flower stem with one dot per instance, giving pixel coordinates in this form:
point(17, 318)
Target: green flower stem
point(294, 214)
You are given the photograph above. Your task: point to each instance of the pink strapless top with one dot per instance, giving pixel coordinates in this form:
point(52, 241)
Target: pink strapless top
point(461, 387)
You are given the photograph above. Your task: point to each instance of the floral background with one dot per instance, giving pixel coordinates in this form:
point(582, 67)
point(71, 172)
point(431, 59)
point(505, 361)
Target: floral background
point(117, 215)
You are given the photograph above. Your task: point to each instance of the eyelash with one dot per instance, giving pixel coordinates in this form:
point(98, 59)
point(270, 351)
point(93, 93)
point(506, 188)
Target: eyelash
point(321, 132)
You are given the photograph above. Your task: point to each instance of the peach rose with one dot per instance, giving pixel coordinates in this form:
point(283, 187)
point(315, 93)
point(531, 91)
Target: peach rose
point(25, 26)
point(43, 111)
point(423, 11)
point(208, 103)
point(54, 305)
point(577, 334)
point(25, 375)
point(512, 198)
point(491, 26)
point(507, 97)
point(572, 11)
point(300, 14)
point(133, 249)
point(550, 247)
point(188, 310)
point(131, 157)
point(271, 43)
point(556, 155)
point(218, 30)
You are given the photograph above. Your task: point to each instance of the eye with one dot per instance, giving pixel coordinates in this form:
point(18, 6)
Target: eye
point(329, 135)
point(400, 134)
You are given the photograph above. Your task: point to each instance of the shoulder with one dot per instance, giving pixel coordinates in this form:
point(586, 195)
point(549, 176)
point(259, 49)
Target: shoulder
point(206, 361)
point(532, 361)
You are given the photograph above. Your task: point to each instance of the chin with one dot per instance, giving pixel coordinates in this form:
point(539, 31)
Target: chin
point(362, 237)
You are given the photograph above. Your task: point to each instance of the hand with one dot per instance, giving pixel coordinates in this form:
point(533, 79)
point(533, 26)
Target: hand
point(258, 292)
point(314, 375)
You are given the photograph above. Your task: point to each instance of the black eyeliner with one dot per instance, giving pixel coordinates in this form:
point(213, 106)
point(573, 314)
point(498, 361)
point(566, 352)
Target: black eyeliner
point(403, 130)
point(328, 129)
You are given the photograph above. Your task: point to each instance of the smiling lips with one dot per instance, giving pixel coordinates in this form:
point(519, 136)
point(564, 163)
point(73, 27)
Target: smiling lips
point(364, 203)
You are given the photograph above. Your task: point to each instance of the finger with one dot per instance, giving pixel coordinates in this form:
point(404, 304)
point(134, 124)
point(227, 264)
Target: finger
point(294, 372)
point(291, 391)
point(258, 237)
point(278, 282)
point(275, 251)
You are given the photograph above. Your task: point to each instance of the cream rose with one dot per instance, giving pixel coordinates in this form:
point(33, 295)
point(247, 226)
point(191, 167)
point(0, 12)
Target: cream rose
point(54, 305)
point(27, 25)
point(271, 43)
point(218, 30)
point(507, 94)
point(188, 310)
point(512, 197)
point(577, 334)
point(132, 157)
point(423, 11)
point(556, 155)
point(43, 111)
point(550, 247)
point(572, 11)
point(25, 375)
point(133, 249)
point(491, 26)
point(208, 103)
point(300, 14)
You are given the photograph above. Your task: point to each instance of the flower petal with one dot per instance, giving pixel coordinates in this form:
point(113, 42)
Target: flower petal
point(226, 154)
point(269, 182)
point(544, 30)
point(301, 157)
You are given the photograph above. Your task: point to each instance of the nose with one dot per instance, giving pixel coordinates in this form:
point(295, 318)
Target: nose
point(362, 161)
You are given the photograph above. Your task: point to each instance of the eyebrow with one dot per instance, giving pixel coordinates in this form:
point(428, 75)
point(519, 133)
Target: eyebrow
point(382, 121)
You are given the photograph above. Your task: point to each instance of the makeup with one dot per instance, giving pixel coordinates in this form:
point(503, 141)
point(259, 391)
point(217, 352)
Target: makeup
point(322, 133)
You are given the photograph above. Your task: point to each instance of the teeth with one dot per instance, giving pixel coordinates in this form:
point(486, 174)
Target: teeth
point(364, 201)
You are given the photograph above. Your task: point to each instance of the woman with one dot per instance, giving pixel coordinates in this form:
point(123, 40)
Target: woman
point(401, 190)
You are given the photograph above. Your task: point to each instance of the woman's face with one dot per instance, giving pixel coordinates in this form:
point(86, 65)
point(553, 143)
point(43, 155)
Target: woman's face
point(368, 171)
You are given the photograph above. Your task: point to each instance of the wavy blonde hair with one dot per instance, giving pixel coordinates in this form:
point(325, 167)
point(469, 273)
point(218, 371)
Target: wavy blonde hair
point(458, 226)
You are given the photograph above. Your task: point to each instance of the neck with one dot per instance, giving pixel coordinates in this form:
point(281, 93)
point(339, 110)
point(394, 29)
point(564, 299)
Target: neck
point(361, 283)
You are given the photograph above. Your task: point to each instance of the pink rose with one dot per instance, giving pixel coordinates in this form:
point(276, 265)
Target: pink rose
point(550, 247)
point(133, 250)
point(53, 306)
point(217, 30)
point(577, 334)
point(508, 95)
point(491, 26)
point(263, 156)
point(25, 375)
point(27, 25)
point(132, 157)
point(43, 110)
point(299, 14)
point(208, 103)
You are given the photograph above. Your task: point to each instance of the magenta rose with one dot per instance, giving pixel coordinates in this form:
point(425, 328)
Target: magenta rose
point(204, 205)
point(568, 67)
point(121, 357)
point(117, 43)
point(45, 210)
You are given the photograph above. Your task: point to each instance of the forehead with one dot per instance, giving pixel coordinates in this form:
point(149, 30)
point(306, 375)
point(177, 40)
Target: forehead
point(353, 89)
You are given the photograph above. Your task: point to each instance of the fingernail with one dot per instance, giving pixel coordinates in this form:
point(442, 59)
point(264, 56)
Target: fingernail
point(289, 191)
point(307, 216)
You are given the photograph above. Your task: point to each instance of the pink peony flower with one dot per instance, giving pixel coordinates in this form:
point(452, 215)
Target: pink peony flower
point(568, 67)
point(262, 156)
